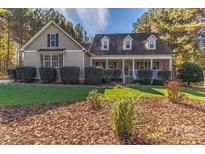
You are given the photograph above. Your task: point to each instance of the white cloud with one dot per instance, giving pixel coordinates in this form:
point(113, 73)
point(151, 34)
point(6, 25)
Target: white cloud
point(93, 20)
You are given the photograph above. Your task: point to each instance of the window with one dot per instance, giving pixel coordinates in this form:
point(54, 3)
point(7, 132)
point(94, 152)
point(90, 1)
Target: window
point(53, 40)
point(151, 44)
point(143, 65)
point(47, 61)
point(100, 64)
point(55, 60)
point(51, 60)
point(155, 65)
point(105, 45)
point(127, 43)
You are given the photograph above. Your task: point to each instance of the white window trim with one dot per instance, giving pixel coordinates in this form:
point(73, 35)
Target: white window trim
point(54, 39)
point(105, 39)
point(151, 38)
point(127, 38)
point(51, 60)
point(149, 42)
point(102, 47)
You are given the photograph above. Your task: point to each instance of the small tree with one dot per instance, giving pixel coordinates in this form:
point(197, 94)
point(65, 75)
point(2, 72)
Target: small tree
point(190, 72)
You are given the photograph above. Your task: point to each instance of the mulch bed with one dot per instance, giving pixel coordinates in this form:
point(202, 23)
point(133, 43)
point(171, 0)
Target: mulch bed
point(162, 122)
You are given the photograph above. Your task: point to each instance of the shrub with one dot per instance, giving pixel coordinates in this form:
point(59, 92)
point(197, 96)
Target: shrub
point(93, 75)
point(11, 74)
point(95, 99)
point(70, 74)
point(174, 91)
point(26, 74)
point(164, 75)
point(107, 75)
point(145, 76)
point(116, 74)
point(158, 82)
point(189, 72)
point(47, 74)
point(123, 116)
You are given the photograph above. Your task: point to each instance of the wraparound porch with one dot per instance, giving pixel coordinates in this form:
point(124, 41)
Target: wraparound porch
point(131, 65)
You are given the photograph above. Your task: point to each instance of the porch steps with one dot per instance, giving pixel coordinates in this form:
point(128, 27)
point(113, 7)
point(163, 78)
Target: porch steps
point(129, 80)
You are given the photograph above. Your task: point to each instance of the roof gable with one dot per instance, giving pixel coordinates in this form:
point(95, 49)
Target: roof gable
point(151, 37)
point(105, 38)
point(44, 29)
point(128, 37)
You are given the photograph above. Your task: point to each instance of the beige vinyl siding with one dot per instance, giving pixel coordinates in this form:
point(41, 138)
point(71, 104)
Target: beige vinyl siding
point(87, 60)
point(74, 59)
point(64, 41)
point(33, 59)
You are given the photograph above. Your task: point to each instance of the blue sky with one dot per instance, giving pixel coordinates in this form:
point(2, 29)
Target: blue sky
point(94, 21)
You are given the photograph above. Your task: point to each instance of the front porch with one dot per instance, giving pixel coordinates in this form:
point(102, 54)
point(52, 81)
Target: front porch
point(131, 66)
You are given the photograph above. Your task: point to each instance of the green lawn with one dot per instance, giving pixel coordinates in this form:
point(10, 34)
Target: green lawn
point(30, 93)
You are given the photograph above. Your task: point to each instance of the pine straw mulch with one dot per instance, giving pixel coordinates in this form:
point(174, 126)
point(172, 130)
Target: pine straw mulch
point(162, 122)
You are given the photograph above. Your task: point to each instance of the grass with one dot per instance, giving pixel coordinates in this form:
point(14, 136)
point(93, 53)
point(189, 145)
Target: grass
point(19, 94)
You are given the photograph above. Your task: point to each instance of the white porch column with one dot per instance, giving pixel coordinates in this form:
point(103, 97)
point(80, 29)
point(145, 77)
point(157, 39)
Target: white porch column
point(106, 64)
point(151, 64)
point(133, 69)
point(123, 70)
point(170, 67)
point(91, 62)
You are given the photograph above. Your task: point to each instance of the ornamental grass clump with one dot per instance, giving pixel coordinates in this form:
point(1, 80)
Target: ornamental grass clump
point(95, 99)
point(123, 116)
point(175, 94)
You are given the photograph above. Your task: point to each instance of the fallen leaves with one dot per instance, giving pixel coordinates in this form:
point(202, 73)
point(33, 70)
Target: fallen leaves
point(162, 122)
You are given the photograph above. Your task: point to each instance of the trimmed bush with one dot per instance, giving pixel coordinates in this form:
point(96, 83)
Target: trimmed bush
point(164, 75)
point(158, 82)
point(70, 74)
point(116, 74)
point(107, 75)
point(145, 76)
point(93, 75)
point(47, 74)
point(11, 74)
point(25, 74)
point(190, 72)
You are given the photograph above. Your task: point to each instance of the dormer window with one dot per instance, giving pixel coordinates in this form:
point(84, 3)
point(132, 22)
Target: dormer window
point(127, 43)
point(105, 43)
point(151, 43)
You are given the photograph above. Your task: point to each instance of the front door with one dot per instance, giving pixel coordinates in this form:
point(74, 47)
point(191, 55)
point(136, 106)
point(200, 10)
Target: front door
point(127, 69)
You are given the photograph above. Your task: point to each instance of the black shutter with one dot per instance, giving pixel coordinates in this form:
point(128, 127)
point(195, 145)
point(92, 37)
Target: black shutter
point(56, 39)
point(48, 40)
point(41, 60)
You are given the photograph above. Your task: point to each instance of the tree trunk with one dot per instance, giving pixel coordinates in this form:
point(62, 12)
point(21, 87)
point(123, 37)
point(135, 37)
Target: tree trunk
point(188, 83)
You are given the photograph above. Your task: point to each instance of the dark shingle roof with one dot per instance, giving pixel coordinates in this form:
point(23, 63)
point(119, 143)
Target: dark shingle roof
point(86, 45)
point(138, 44)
